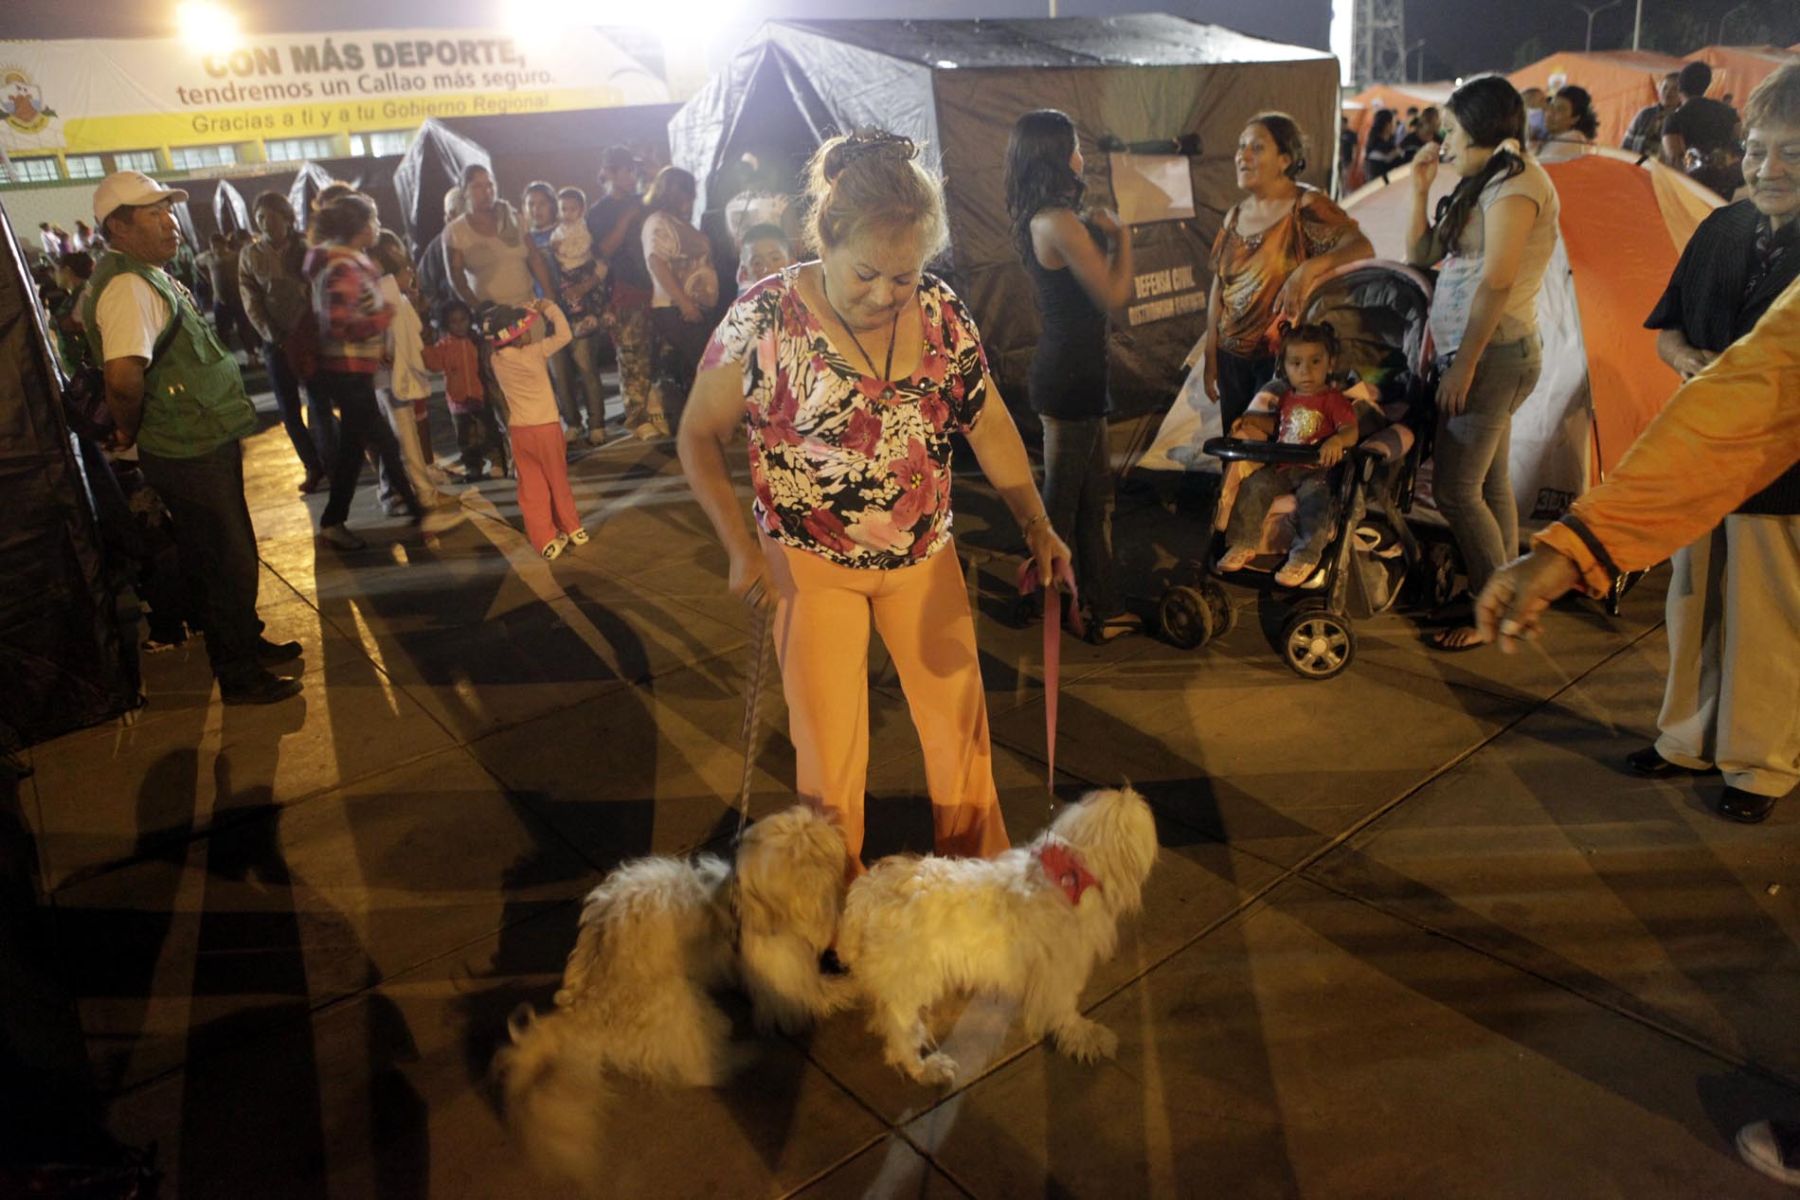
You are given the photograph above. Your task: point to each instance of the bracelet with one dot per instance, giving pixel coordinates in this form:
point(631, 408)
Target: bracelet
point(1025, 529)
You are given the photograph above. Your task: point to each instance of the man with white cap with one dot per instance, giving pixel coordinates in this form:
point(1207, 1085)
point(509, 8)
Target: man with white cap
point(175, 393)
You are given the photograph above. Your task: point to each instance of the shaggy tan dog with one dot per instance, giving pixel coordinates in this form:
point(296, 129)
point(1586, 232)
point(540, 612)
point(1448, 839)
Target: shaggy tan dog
point(1028, 925)
point(655, 936)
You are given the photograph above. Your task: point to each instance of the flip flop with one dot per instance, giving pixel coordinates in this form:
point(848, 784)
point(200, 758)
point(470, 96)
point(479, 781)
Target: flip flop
point(1441, 639)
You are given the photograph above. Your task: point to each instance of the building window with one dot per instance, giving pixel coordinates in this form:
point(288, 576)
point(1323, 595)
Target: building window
point(84, 166)
point(296, 149)
point(379, 145)
point(191, 158)
point(136, 160)
point(35, 170)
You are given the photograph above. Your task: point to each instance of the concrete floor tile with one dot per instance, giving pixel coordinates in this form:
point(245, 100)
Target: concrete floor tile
point(116, 790)
point(1316, 1047)
point(1545, 852)
point(285, 909)
point(889, 1170)
point(1578, 630)
point(1196, 883)
point(389, 1095)
point(652, 768)
point(538, 655)
point(1235, 749)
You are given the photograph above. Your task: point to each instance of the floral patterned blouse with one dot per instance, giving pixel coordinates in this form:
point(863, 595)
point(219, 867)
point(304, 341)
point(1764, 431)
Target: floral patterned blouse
point(846, 466)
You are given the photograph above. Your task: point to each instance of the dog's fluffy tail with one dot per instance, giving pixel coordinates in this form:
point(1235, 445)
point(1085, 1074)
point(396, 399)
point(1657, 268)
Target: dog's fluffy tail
point(553, 1079)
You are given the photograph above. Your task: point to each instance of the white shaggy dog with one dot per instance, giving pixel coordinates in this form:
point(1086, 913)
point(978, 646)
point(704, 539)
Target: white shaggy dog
point(655, 936)
point(1028, 925)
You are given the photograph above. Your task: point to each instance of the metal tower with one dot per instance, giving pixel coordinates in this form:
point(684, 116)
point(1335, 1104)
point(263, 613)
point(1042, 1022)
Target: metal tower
point(1378, 45)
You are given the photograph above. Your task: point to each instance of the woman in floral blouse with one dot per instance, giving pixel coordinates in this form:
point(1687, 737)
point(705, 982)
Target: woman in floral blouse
point(850, 375)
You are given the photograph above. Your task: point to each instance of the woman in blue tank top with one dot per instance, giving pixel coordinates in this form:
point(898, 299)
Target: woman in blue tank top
point(1080, 268)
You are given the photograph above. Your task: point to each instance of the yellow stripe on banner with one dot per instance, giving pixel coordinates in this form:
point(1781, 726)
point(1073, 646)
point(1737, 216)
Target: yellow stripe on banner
point(366, 114)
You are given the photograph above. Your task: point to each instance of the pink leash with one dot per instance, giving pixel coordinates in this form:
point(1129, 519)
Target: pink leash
point(1053, 621)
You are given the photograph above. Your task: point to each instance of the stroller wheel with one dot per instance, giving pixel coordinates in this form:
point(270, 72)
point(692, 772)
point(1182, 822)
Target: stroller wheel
point(1224, 616)
point(1317, 643)
point(1185, 617)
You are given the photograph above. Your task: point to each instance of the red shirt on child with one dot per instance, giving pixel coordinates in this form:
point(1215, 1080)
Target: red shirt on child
point(1309, 420)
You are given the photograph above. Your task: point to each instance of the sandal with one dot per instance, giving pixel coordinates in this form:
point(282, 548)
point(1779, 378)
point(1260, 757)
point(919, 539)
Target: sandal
point(1119, 625)
point(1456, 638)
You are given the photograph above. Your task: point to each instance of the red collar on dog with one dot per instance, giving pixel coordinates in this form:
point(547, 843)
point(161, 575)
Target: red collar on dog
point(1066, 870)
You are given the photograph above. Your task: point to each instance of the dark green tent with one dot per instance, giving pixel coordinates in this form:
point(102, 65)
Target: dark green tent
point(958, 86)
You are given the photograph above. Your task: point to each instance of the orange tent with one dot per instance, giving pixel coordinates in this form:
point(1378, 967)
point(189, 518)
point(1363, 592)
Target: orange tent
point(1738, 69)
point(1622, 228)
point(1620, 81)
point(1360, 109)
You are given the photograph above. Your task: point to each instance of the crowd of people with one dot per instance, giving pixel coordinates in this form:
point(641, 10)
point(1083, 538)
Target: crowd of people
point(853, 368)
point(1686, 129)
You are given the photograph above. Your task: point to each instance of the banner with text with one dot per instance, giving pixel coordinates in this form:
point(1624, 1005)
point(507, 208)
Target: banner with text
point(132, 94)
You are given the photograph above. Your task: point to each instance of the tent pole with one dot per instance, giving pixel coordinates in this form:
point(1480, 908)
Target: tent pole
point(1637, 26)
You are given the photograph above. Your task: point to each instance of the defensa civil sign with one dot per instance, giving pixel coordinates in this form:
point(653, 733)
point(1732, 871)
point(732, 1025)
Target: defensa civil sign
point(121, 94)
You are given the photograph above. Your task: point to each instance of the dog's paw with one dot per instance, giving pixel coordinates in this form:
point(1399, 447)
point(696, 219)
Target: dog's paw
point(1088, 1041)
point(936, 1069)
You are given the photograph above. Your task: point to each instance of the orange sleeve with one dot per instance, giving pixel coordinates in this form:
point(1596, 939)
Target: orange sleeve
point(1725, 435)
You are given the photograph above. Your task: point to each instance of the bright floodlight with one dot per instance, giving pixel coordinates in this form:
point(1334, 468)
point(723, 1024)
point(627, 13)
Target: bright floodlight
point(209, 27)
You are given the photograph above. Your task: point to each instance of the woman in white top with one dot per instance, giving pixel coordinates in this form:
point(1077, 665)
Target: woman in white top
point(492, 259)
point(686, 289)
point(1493, 235)
point(1569, 125)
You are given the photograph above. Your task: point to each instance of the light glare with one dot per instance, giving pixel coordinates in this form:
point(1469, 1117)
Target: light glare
point(208, 27)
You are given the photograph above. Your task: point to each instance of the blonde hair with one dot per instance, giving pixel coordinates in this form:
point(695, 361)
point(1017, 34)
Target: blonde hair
point(868, 181)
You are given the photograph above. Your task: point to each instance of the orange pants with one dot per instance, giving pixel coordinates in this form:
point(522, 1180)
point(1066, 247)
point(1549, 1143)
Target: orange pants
point(540, 459)
point(822, 642)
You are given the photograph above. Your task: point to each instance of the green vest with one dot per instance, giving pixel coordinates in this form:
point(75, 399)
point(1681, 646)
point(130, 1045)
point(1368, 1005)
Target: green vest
point(194, 399)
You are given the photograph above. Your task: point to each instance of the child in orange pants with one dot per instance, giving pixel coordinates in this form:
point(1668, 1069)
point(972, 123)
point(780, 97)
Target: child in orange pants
point(521, 360)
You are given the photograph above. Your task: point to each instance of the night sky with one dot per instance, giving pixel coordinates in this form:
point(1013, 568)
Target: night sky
point(1462, 36)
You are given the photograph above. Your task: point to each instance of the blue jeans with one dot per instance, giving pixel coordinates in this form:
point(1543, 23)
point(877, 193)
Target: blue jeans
point(1078, 495)
point(1315, 502)
point(1472, 479)
point(315, 446)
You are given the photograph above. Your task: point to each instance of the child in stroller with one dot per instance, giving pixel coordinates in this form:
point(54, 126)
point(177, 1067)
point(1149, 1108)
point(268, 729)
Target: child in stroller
point(1303, 406)
point(1364, 553)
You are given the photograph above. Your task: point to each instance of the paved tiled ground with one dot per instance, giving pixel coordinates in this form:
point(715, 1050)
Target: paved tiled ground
point(1413, 934)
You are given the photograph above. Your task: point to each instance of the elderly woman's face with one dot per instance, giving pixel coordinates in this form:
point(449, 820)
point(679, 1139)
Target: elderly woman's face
point(872, 276)
point(1772, 170)
point(479, 193)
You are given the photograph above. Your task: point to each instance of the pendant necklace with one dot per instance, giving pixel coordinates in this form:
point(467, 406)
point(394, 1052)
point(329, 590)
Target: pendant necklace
point(893, 336)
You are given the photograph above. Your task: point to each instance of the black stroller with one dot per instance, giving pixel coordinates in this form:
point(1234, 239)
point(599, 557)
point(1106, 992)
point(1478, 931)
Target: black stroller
point(1373, 559)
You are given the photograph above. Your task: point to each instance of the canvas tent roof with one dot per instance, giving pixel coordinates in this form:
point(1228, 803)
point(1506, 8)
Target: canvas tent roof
point(957, 86)
point(432, 165)
point(1620, 81)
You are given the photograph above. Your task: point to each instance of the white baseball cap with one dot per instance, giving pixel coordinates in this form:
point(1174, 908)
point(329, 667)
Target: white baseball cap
point(130, 187)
